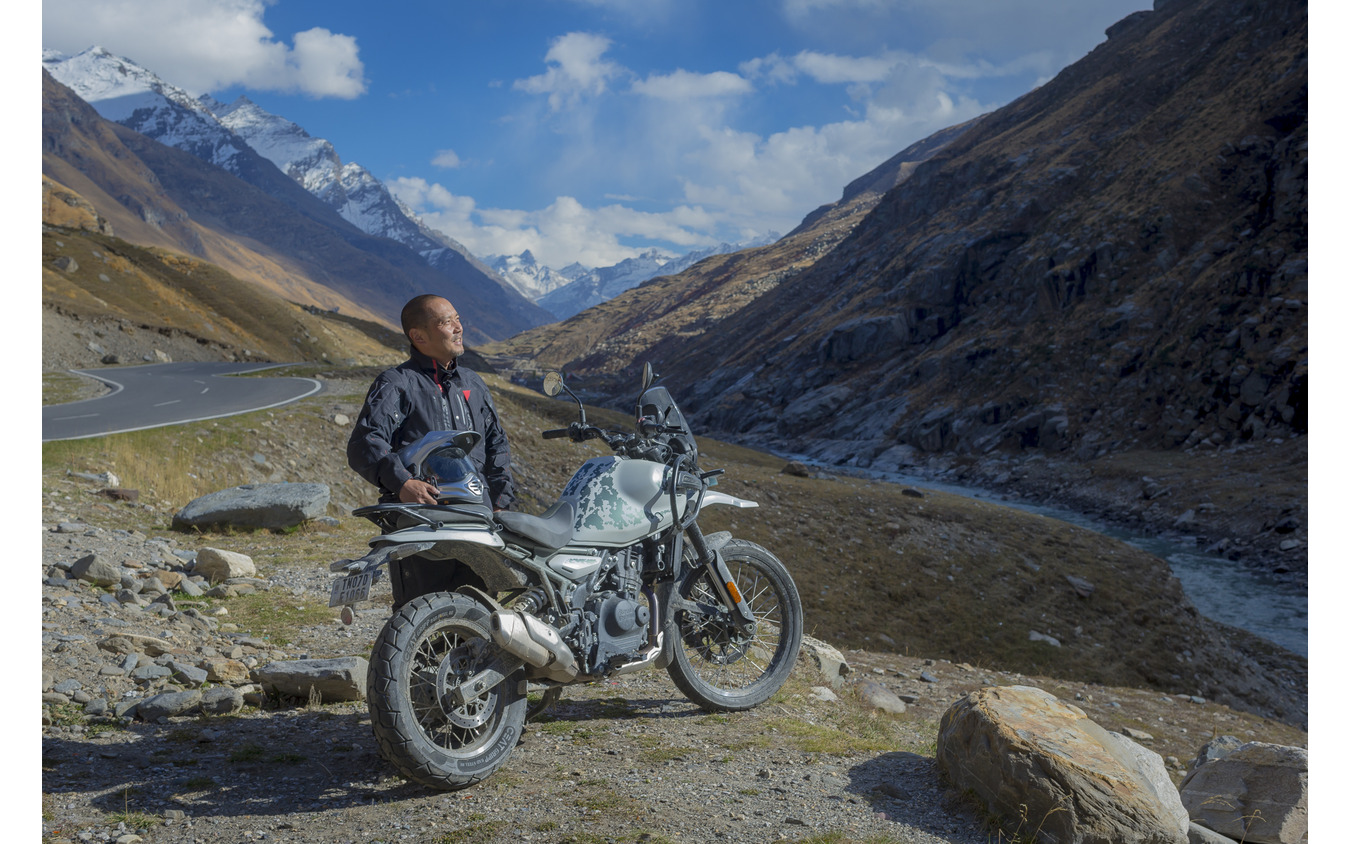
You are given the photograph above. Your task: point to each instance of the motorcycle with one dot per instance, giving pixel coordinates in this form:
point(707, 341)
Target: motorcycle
point(490, 608)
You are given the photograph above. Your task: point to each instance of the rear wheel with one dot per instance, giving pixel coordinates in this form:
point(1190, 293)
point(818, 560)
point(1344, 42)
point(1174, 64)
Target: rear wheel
point(425, 651)
point(712, 661)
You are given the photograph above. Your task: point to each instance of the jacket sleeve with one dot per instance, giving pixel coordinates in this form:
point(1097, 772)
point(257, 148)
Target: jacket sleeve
point(497, 466)
point(370, 450)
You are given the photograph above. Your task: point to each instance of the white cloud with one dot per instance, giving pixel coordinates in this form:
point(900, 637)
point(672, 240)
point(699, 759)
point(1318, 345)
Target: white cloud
point(684, 85)
point(447, 159)
point(205, 45)
point(831, 69)
point(559, 234)
point(679, 137)
point(576, 69)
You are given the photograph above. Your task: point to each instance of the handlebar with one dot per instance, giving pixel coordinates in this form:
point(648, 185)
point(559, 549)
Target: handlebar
point(632, 445)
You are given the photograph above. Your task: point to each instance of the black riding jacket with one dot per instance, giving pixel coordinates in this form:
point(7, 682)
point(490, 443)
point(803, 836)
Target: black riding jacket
point(415, 398)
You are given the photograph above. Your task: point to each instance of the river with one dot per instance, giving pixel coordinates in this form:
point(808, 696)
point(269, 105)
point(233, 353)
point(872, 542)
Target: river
point(1229, 592)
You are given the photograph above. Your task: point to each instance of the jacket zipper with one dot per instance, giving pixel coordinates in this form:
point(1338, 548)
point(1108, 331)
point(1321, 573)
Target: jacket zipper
point(446, 416)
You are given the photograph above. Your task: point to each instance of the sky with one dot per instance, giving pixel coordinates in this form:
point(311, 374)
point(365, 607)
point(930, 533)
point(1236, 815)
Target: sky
point(590, 130)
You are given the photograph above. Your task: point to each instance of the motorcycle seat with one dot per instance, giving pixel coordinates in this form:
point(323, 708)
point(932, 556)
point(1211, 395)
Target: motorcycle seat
point(552, 530)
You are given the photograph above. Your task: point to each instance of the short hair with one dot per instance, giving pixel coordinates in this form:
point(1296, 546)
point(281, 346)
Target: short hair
point(416, 313)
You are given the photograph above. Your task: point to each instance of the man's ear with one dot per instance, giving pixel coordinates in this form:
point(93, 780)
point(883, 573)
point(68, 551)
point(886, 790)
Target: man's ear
point(417, 336)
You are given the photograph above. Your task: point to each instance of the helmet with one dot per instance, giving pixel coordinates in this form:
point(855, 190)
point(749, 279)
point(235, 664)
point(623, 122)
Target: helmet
point(450, 469)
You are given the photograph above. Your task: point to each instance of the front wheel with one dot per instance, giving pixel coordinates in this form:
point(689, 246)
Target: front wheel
point(712, 661)
point(431, 645)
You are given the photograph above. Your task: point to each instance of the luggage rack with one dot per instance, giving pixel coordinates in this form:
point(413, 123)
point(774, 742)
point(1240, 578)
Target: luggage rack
point(385, 515)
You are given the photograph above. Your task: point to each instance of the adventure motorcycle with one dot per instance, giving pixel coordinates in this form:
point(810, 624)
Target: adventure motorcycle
point(614, 577)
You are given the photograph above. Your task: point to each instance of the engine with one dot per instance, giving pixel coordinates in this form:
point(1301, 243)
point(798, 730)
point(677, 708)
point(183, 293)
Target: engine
point(613, 616)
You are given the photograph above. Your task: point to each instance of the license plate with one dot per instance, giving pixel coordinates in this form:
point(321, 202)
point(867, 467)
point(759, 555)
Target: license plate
point(350, 589)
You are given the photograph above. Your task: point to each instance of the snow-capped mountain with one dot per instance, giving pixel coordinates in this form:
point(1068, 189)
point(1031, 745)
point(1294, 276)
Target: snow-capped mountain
point(124, 92)
point(532, 278)
point(604, 283)
point(314, 163)
point(233, 136)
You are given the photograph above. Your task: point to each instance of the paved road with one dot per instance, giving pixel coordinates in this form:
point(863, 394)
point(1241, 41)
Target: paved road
point(167, 394)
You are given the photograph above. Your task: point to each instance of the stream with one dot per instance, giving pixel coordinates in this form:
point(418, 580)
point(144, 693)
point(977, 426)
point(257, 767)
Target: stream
point(1225, 591)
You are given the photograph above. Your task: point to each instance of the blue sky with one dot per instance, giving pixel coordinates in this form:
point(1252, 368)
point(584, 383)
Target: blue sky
point(588, 130)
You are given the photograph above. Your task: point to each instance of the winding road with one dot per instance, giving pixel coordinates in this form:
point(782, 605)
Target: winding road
point(161, 394)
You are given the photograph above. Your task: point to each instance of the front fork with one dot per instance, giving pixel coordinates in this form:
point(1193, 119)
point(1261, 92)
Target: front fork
point(723, 582)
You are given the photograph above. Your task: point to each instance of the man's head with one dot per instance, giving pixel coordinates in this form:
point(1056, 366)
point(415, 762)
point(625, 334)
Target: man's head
point(432, 326)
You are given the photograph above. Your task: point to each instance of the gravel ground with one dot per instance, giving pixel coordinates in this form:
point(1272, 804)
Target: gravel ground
point(625, 759)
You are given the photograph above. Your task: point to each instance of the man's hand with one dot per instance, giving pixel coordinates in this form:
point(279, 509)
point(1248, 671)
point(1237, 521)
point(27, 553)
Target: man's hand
point(414, 491)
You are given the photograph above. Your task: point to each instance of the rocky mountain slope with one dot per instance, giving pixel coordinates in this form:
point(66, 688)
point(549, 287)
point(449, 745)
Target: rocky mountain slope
point(304, 246)
point(1114, 266)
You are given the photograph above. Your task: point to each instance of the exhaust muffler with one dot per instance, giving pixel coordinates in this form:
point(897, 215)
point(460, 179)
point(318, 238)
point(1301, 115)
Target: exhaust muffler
point(539, 645)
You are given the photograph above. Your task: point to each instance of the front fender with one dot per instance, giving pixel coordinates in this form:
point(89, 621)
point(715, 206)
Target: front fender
point(714, 497)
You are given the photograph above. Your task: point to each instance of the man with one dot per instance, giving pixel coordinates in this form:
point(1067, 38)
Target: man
point(429, 392)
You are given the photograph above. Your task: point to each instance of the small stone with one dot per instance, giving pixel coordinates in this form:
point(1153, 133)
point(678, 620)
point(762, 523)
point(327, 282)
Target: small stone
point(216, 565)
point(188, 675)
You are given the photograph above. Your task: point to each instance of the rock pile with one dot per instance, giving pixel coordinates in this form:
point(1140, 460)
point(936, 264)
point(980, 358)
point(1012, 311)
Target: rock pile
point(124, 650)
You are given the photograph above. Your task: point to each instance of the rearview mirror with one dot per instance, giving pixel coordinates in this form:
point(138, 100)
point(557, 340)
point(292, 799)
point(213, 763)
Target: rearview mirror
point(553, 384)
point(648, 376)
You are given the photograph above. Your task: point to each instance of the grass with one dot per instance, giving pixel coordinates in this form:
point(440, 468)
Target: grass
point(134, 820)
point(61, 387)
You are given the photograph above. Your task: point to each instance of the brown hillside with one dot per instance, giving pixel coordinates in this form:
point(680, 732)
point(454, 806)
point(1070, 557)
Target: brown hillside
point(93, 279)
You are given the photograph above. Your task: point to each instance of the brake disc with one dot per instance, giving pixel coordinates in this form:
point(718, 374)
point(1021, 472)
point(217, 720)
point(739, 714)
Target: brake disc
point(460, 663)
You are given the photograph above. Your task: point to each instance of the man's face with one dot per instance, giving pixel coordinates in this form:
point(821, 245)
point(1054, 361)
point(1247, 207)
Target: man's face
point(442, 336)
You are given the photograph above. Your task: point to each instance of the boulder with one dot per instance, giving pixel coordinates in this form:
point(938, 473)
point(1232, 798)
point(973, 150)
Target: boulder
point(1049, 772)
point(267, 506)
point(222, 700)
point(168, 705)
point(342, 678)
point(217, 565)
point(828, 659)
point(97, 570)
point(221, 669)
point(1257, 793)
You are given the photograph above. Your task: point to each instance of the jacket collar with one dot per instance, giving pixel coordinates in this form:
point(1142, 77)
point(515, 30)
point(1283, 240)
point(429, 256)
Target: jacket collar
point(427, 364)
